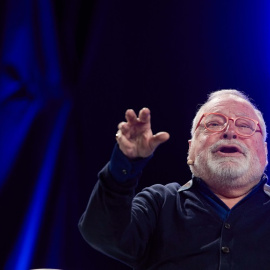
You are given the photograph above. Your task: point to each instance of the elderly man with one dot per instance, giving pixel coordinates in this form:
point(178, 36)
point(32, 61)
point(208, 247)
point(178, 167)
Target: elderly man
point(218, 220)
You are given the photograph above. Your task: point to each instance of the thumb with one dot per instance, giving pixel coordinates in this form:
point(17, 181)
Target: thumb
point(158, 139)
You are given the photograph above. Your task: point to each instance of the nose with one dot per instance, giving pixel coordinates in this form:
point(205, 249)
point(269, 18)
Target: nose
point(229, 132)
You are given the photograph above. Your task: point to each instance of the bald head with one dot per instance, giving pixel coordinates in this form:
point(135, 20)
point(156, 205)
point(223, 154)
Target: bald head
point(222, 95)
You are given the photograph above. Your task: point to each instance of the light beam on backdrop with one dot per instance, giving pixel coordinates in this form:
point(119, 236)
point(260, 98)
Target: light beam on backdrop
point(30, 78)
point(24, 249)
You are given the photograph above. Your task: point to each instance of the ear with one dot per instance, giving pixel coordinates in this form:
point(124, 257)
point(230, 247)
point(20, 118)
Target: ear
point(189, 144)
point(266, 152)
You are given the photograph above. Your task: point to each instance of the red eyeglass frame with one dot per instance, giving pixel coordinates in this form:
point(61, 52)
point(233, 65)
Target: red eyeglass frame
point(233, 119)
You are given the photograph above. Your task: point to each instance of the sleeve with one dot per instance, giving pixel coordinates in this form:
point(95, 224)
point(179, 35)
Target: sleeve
point(117, 223)
point(123, 168)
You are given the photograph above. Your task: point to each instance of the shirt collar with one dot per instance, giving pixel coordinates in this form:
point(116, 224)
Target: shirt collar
point(197, 180)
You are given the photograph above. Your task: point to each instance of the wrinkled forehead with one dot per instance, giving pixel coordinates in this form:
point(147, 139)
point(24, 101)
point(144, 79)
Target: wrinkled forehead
point(230, 106)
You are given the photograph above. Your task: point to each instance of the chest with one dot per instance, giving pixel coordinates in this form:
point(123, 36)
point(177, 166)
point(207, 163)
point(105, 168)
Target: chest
point(190, 231)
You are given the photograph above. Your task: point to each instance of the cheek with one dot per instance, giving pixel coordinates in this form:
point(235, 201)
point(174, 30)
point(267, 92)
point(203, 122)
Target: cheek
point(260, 151)
point(262, 157)
point(199, 145)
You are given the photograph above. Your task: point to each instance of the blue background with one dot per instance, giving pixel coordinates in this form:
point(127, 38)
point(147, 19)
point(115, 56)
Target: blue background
point(70, 69)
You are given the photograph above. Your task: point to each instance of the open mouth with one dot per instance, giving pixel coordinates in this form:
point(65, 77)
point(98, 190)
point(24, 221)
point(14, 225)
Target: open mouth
point(229, 149)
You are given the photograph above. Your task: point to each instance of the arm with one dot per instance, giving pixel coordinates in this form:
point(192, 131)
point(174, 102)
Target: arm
point(114, 222)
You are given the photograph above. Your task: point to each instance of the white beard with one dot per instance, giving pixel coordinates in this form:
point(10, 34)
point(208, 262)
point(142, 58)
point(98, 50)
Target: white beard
point(227, 172)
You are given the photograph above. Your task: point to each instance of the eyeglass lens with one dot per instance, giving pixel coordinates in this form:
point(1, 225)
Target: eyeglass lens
point(217, 122)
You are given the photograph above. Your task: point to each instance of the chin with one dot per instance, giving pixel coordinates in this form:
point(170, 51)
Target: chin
point(235, 174)
point(227, 172)
point(228, 168)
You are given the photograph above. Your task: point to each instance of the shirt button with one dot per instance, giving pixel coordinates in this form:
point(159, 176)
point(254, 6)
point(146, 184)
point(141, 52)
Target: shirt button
point(225, 249)
point(124, 171)
point(227, 225)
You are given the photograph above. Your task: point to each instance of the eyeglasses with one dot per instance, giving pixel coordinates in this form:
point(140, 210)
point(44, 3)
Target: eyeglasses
point(217, 122)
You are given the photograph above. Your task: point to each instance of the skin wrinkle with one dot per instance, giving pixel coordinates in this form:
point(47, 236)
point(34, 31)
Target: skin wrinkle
point(236, 95)
point(228, 169)
point(227, 175)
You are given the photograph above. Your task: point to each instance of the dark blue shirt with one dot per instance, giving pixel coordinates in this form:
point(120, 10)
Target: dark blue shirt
point(172, 227)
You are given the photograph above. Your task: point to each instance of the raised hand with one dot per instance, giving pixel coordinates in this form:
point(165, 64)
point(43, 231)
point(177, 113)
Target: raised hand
point(135, 137)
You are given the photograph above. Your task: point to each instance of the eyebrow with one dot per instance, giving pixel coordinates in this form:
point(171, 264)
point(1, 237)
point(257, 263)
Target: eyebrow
point(237, 114)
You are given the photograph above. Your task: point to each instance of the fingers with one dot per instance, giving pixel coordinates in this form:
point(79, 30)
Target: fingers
point(134, 121)
point(135, 137)
point(131, 116)
point(158, 139)
point(125, 145)
point(143, 117)
point(123, 127)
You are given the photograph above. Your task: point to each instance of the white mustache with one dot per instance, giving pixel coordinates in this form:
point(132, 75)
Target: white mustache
point(215, 146)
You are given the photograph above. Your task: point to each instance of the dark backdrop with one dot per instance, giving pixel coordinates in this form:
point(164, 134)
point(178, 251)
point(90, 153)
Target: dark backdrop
point(70, 69)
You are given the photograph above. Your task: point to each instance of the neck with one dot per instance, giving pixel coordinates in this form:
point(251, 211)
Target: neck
point(232, 195)
point(232, 199)
point(231, 191)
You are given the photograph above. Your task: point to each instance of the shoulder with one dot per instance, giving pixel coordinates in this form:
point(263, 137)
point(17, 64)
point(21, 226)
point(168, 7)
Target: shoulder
point(158, 195)
point(168, 188)
point(266, 189)
point(160, 192)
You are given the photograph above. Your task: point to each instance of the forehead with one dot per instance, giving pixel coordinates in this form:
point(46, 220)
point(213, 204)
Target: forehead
point(231, 106)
